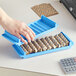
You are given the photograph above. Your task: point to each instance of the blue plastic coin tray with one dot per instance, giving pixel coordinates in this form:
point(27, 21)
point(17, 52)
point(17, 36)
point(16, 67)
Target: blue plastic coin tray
point(40, 27)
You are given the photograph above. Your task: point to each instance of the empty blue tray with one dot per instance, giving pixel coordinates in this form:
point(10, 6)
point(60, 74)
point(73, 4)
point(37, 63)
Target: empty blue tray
point(40, 27)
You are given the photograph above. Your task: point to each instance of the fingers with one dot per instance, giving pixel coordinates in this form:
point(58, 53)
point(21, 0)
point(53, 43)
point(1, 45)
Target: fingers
point(26, 35)
point(31, 31)
point(30, 34)
point(23, 29)
point(20, 37)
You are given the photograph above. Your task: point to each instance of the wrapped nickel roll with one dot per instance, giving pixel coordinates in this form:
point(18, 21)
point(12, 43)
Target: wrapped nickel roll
point(54, 41)
point(37, 46)
point(41, 44)
point(63, 38)
point(50, 42)
point(28, 48)
point(32, 46)
point(46, 43)
point(27, 52)
point(62, 43)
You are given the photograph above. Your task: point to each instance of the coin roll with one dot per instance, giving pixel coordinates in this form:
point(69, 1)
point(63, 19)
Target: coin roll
point(32, 46)
point(41, 44)
point(60, 40)
point(46, 43)
point(54, 41)
point(28, 48)
point(27, 52)
point(63, 38)
point(37, 46)
point(50, 42)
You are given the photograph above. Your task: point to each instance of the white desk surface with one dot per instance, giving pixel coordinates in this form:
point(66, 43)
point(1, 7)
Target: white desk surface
point(21, 10)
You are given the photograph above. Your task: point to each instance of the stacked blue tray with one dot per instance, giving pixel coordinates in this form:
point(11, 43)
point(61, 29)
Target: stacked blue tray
point(40, 27)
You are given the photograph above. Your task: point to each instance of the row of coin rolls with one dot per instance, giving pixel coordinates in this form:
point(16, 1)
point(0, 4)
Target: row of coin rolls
point(44, 44)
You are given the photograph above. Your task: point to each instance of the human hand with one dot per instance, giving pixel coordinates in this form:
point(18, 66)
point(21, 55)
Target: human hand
point(16, 28)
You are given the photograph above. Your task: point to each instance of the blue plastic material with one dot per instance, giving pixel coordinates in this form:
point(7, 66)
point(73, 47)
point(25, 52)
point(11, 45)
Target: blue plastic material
point(40, 27)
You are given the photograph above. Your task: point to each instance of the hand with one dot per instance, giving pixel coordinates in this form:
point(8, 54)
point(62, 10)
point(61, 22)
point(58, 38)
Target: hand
point(16, 28)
